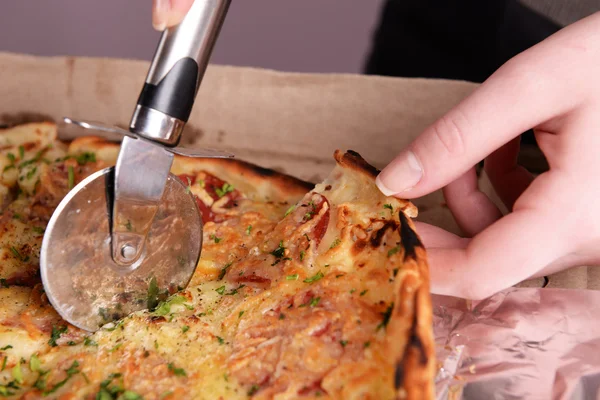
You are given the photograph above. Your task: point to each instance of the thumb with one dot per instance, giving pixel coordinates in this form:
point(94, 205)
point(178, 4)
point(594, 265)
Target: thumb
point(168, 13)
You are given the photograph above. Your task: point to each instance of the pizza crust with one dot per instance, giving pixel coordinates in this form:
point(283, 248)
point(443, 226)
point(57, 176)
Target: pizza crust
point(260, 183)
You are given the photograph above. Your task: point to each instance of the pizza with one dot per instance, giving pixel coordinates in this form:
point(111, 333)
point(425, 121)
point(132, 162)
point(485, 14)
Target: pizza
point(302, 291)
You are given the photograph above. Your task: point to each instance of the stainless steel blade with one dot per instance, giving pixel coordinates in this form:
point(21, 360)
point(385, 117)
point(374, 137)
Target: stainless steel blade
point(81, 279)
point(140, 177)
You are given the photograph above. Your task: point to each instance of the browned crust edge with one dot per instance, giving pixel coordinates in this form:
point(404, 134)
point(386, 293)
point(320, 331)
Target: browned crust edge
point(285, 183)
point(288, 186)
point(415, 364)
point(352, 160)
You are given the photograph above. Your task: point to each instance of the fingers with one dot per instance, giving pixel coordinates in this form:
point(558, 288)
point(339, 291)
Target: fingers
point(523, 93)
point(509, 251)
point(471, 208)
point(508, 178)
point(168, 13)
point(434, 237)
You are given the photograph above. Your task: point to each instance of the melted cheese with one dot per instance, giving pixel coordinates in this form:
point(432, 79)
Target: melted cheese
point(281, 305)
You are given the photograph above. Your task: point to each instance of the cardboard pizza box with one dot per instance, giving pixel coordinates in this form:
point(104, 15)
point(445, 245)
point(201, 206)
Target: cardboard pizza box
point(289, 122)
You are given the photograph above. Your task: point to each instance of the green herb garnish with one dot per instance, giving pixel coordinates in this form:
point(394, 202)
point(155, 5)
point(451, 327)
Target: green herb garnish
point(386, 317)
point(314, 278)
point(152, 297)
point(176, 371)
point(227, 188)
point(292, 277)
point(224, 270)
point(279, 251)
point(393, 251)
point(71, 177)
point(315, 301)
point(55, 335)
point(290, 210)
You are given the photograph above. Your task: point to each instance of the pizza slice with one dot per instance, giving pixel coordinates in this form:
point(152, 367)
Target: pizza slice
point(300, 292)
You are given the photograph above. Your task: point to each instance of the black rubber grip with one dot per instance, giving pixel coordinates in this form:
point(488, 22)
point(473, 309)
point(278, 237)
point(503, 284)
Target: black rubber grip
point(175, 93)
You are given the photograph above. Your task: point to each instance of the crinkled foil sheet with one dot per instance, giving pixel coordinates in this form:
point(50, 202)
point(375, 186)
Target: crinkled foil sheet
point(519, 344)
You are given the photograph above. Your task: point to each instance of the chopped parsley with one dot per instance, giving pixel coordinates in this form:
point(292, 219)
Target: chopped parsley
point(389, 206)
point(8, 346)
point(281, 316)
point(386, 317)
point(85, 158)
point(152, 297)
point(165, 307)
point(128, 226)
point(227, 188)
point(215, 238)
point(34, 364)
point(11, 157)
point(17, 373)
point(37, 229)
point(4, 363)
point(315, 301)
point(352, 290)
point(185, 328)
point(31, 173)
point(89, 342)
point(21, 152)
point(240, 314)
point(292, 277)
point(72, 370)
point(367, 344)
point(302, 253)
point(343, 343)
point(248, 230)
point(393, 251)
point(290, 210)
point(224, 270)
point(220, 290)
point(335, 243)
point(115, 391)
point(70, 177)
point(253, 390)
point(18, 255)
point(56, 334)
point(279, 251)
point(364, 292)
point(176, 371)
point(220, 340)
point(314, 278)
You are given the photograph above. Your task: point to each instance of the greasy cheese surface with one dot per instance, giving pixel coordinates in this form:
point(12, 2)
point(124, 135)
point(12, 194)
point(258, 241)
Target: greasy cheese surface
point(288, 300)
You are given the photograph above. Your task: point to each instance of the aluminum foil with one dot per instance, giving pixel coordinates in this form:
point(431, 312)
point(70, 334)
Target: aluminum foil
point(519, 344)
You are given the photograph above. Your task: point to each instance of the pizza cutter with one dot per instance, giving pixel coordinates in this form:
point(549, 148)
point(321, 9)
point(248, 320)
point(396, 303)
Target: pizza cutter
point(129, 236)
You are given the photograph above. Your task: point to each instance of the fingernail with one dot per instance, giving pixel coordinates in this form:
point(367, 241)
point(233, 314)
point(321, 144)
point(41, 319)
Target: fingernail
point(402, 174)
point(160, 14)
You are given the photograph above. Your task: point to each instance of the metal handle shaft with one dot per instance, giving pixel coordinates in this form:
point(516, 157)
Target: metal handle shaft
point(176, 71)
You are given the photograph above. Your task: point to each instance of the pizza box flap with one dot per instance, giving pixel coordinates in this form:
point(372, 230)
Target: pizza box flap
point(290, 122)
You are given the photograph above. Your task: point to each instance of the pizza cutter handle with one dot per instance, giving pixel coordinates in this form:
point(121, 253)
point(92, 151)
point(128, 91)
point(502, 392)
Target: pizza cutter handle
point(177, 69)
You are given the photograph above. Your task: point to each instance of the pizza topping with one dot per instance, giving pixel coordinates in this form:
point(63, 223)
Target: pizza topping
point(314, 278)
point(56, 334)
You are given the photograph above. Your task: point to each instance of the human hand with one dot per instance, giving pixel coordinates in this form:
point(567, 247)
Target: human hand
point(168, 13)
point(554, 222)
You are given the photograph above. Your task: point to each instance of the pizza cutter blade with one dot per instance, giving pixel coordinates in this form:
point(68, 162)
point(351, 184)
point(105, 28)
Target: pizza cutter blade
point(128, 236)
